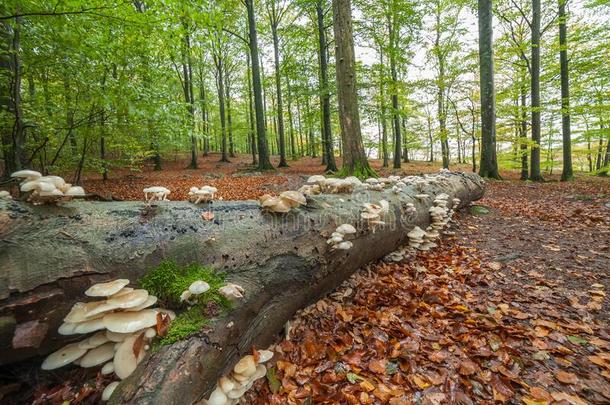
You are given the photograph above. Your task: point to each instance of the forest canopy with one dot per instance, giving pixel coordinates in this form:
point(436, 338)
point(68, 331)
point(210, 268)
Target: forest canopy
point(91, 86)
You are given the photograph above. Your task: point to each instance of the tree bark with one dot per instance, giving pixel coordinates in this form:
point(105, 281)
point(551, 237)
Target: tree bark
point(327, 136)
point(395, 115)
point(51, 254)
point(251, 118)
point(278, 93)
point(489, 163)
point(535, 174)
point(219, 63)
point(567, 173)
point(263, 152)
point(354, 158)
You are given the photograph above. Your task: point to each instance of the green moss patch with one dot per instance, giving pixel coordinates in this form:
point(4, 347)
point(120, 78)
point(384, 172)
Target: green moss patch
point(167, 282)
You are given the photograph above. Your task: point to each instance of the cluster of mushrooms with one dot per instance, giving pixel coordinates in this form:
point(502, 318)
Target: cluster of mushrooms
point(124, 324)
point(230, 291)
point(45, 189)
point(203, 194)
point(156, 193)
point(230, 388)
point(337, 241)
point(284, 202)
point(373, 214)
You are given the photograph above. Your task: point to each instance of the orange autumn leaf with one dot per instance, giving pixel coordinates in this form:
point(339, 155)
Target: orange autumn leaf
point(565, 377)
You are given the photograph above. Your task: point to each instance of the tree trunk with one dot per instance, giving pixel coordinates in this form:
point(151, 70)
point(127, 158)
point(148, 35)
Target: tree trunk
point(327, 136)
point(205, 125)
point(354, 157)
point(567, 173)
point(229, 116)
point(394, 75)
point(251, 114)
point(535, 174)
point(489, 162)
point(187, 71)
point(221, 103)
point(523, 143)
point(293, 145)
point(278, 93)
point(51, 254)
point(263, 152)
point(384, 125)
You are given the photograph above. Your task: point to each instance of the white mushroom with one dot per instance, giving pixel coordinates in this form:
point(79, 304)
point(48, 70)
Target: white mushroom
point(346, 229)
point(125, 362)
point(246, 366)
point(5, 195)
point(293, 198)
point(199, 287)
point(98, 355)
point(107, 393)
point(75, 191)
point(345, 245)
point(108, 368)
point(218, 397)
point(63, 356)
point(106, 289)
point(127, 322)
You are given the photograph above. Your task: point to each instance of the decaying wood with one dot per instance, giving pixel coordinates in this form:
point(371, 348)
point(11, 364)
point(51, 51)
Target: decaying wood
point(50, 254)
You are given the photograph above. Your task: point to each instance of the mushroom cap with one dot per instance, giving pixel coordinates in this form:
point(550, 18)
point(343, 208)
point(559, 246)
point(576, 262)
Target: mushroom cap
point(369, 215)
point(317, 178)
point(246, 366)
point(294, 198)
point(129, 300)
point(150, 333)
point(335, 239)
point(345, 245)
point(125, 362)
point(76, 191)
point(24, 174)
point(107, 368)
point(5, 194)
point(67, 328)
point(385, 206)
point(264, 198)
point(116, 336)
point(269, 201)
point(55, 180)
point(156, 189)
point(63, 356)
point(416, 233)
point(209, 189)
point(86, 311)
point(97, 356)
point(218, 397)
point(226, 384)
point(280, 206)
point(89, 326)
point(94, 341)
point(106, 289)
point(199, 287)
point(371, 180)
point(264, 356)
point(37, 185)
point(355, 181)
point(107, 393)
point(150, 301)
point(231, 291)
point(186, 294)
point(127, 322)
point(345, 229)
point(193, 190)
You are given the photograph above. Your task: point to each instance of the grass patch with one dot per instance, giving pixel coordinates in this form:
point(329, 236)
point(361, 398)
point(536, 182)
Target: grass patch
point(167, 282)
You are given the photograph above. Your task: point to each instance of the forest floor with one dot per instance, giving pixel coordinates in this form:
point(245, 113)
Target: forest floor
point(511, 307)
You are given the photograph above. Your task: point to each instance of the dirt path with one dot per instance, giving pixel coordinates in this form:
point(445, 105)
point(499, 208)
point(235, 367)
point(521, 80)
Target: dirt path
point(510, 309)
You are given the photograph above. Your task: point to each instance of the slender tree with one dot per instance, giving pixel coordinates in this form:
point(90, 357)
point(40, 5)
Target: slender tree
point(354, 158)
point(263, 152)
point(535, 174)
point(327, 136)
point(567, 172)
point(489, 162)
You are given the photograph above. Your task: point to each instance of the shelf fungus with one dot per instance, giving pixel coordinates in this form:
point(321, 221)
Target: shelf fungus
point(337, 238)
point(374, 214)
point(123, 324)
point(157, 193)
point(284, 203)
point(46, 189)
point(231, 387)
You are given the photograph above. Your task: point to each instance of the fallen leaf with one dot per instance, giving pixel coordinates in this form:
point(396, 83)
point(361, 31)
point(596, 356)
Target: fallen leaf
point(565, 377)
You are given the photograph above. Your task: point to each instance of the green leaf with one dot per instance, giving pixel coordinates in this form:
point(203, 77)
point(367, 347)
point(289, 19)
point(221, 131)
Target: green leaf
point(274, 382)
point(391, 368)
point(577, 340)
point(352, 378)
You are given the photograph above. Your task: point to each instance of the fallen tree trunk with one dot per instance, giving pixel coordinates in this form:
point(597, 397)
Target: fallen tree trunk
point(49, 255)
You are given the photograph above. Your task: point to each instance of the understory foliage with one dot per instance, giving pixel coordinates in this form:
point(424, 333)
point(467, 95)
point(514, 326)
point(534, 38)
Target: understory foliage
point(168, 280)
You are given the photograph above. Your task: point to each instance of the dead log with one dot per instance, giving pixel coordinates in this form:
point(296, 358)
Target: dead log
point(50, 254)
